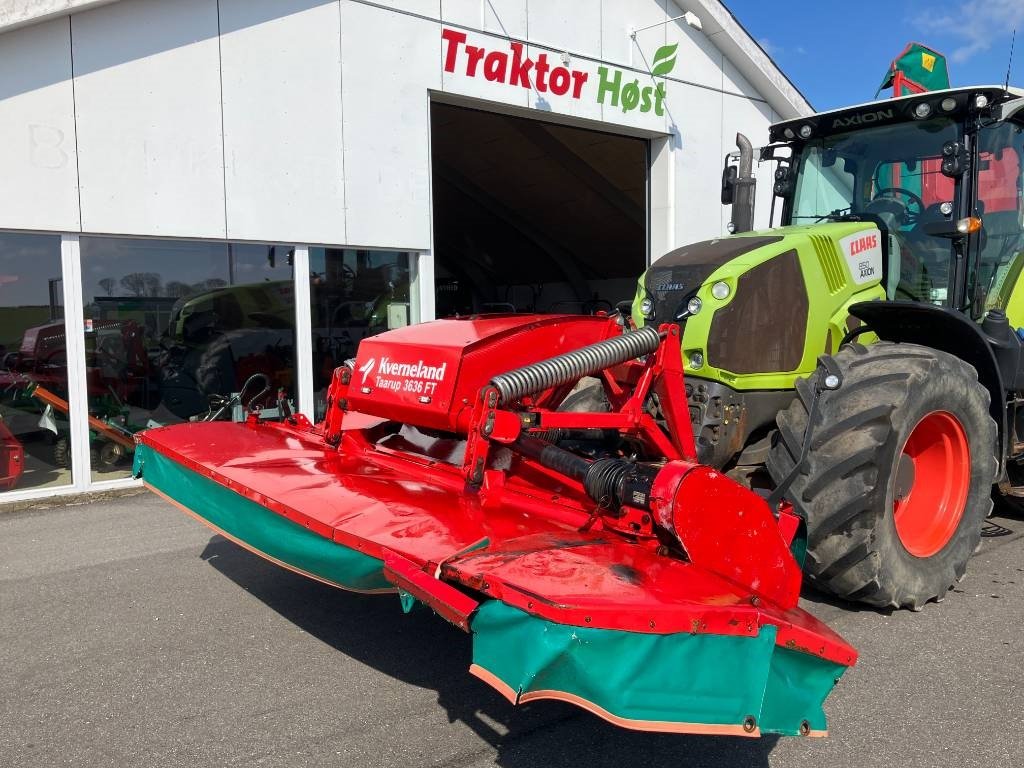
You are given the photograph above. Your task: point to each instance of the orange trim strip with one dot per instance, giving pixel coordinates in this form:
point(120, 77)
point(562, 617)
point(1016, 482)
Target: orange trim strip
point(653, 726)
point(43, 395)
point(264, 555)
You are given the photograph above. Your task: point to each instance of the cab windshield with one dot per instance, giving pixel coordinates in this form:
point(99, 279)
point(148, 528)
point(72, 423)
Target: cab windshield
point(889, 174)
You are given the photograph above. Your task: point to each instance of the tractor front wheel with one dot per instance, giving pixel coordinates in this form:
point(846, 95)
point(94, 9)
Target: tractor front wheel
point(899, 475)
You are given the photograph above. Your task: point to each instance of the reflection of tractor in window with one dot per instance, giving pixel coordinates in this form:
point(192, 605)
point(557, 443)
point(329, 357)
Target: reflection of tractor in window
point(351, 302)
point(217, 339)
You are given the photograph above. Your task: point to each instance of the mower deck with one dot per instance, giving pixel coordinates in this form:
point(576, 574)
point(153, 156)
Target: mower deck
point(586, 616)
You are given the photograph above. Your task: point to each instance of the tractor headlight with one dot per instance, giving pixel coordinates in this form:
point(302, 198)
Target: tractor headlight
point(696, 360)
point(922, 110)
point(948, 104)
point(980, 101)
point(721, 290)
point(647, 308)
point(694, 305)
point(806, 131)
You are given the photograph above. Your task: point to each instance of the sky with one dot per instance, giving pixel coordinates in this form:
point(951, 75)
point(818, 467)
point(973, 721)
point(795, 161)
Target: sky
point(837, 53)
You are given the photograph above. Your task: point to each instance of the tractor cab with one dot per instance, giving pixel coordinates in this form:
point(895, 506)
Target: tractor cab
point(940, 174)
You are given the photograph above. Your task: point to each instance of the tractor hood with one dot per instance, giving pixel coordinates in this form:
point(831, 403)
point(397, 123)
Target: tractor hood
point(755, 307)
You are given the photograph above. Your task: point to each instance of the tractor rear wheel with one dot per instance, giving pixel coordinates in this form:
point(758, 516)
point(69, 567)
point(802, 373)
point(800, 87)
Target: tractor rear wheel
point(898, 480)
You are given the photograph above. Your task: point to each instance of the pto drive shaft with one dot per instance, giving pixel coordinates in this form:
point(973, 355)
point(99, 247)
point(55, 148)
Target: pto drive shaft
point(612, 483)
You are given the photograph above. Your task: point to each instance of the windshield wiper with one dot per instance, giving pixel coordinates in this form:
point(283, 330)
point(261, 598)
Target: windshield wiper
point(837, 215)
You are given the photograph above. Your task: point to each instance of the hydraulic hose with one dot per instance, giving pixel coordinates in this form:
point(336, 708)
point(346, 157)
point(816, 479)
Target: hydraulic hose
point(574, 365)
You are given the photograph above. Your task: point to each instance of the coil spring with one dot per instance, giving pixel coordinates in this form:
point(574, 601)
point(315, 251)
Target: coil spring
point(574, 365)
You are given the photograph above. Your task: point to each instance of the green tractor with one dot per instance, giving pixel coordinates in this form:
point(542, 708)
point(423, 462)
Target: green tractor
point(898, 264)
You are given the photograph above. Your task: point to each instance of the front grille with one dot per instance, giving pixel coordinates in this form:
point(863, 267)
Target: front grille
point(670, 286)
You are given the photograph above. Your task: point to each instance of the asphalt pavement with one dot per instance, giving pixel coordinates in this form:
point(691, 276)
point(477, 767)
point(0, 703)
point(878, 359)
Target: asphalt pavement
point(130, 635)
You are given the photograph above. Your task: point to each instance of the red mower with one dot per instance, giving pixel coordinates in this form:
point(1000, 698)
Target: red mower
point(588, 553)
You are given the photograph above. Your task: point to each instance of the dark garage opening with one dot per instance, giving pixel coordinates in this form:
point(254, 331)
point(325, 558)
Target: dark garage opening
point(534, 217)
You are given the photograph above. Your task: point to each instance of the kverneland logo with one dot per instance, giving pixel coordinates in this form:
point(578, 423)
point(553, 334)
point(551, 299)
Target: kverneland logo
point(415, 370)
point(514, 67)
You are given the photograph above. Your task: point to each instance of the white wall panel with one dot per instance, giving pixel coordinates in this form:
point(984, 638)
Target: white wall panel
point(428, 8)
point(281, 68)
point(37, 129)
point(566, 25)
point(698, 164)
point(698, 60)
point(506, 17)
point(661, 223)
point(147, 91)
point(467, 13)
point(503, 17)
point(389, 61)
point(734, 82)
point(619, 18)
point(765, 172)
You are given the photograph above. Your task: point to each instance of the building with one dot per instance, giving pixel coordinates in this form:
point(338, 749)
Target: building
point(197, 190)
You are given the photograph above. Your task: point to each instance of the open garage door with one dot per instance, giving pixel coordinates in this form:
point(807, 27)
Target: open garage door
point(534, 217)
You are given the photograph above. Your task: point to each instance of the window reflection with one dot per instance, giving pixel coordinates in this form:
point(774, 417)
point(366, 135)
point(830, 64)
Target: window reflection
point(34, 445)
point(353, 294)
point(171, 324)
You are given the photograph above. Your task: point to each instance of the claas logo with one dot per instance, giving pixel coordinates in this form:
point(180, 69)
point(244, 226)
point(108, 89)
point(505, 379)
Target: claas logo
point(862, 244)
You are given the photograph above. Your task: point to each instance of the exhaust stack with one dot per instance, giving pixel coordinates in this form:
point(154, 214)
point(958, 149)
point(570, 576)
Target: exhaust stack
point(739, 185)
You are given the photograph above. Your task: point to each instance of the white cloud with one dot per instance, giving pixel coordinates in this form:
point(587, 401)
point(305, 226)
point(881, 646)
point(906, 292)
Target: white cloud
point(770, 48)
point(976, 25)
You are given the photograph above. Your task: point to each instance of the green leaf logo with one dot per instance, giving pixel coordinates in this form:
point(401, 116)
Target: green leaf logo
point(664, 60)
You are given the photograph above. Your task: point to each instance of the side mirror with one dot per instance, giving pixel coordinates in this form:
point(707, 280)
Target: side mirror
point(729, 176)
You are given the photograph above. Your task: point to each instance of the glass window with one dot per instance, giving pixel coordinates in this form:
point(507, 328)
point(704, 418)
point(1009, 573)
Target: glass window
point(353, 294)
point(889, 174)
point(170, 325)
point(34, 433)
point(1000, 242)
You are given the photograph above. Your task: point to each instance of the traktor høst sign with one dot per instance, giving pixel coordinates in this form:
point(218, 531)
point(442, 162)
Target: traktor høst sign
point(541, 72)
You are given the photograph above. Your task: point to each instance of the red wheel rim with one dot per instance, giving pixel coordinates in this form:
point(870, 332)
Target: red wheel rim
point(936, 468)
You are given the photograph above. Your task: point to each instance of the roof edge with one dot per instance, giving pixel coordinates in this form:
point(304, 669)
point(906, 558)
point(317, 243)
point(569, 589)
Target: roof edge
point(730, 37)
point(22, 13)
